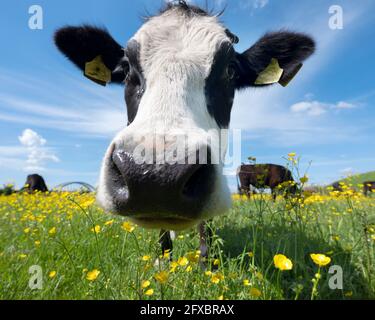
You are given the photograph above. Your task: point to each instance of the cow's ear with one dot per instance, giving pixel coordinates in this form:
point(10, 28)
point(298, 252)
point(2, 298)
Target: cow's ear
point(94, 51)
point(275, 58)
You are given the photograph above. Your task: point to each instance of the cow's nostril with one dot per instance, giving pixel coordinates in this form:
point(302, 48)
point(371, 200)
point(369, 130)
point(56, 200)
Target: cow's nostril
point(200, 182)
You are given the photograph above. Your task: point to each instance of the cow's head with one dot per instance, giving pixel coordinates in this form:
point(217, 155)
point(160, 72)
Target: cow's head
point(180, 72)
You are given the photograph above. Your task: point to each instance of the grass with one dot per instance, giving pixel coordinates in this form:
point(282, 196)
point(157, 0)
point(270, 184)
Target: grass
point(359, 179)
point(84, 253)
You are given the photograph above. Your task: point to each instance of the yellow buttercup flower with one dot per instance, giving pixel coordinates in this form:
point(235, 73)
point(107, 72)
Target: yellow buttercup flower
point(52, 231)
point(292, 155)
point(216, 278)
point(255, 293)
point(145, 284)
point(162, 277)
point(246, 283)
point(92, 275)
point(282, 262)
point(109, 223)
point(52, 274)
point(183, 261)
point(149, 292)
point(96, 229)
point(174, 266)
point(128, 227)
point(27, 230)
point(146, 258)
point(37, 243)
point(23, 256)
point(320, 259)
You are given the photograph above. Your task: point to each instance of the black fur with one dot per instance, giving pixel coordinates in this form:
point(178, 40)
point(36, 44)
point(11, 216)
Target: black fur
point(289, 48)
point(220, 87)
point(83, 44)
point(135, 81)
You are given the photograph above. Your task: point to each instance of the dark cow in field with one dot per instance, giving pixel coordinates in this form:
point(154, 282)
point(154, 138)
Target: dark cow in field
point(180, 72)
point(262, 176)
point(35, 182)
point(368, 187)
point(337, 186)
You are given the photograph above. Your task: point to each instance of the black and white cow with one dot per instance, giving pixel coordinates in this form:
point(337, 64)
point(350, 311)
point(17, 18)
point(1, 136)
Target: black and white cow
point(180, 72)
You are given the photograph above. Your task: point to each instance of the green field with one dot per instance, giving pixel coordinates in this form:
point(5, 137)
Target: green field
point(359, 179)
point(86, 254)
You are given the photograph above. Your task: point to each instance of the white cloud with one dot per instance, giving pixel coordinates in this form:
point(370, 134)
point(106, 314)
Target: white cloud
point(37, 154)
point(316, 108)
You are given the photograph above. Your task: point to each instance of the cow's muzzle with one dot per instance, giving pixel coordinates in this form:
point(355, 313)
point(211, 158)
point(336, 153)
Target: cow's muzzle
point(160, 194)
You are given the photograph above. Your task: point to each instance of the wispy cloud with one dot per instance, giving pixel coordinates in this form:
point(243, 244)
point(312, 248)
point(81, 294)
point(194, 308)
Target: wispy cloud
point(317, 108)
point(79, 109)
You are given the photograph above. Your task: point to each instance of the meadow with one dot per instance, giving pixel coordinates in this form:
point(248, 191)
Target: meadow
point(260, 250)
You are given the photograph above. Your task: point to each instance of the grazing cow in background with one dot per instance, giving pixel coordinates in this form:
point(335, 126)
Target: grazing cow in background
point(180, 72)
point(368, 187)
point(337, 187)
point(35, 182)
point(261, 176)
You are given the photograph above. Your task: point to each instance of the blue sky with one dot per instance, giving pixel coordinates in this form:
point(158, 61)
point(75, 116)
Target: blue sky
point(54, 121)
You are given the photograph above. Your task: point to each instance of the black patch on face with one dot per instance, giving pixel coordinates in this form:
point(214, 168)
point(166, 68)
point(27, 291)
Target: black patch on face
point(220, 85)
point(135, 81)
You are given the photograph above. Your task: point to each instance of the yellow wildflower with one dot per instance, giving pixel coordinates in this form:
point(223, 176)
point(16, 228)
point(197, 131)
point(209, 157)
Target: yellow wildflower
point(109, 223)
point(320, 259)
point(282, 262)
point(128, 227)
point(256, 293)
point(145, 284)
point(162, 277)
point(182, 261)
point(92, 275)
point(146, 258)
point(149, 292)
point(52, 274)
point(27, 230)
point(174, 266)
point(216, 262)
point(216, 278)
point(52, 231)
point(96, 229)
point(246, 283)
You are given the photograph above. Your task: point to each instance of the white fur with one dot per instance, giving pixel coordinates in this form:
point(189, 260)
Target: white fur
point(176, 55)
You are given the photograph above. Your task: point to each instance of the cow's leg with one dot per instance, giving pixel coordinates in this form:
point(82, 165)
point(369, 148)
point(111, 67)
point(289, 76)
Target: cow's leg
point(205, 241)
point(166, 242)
point(274, 194)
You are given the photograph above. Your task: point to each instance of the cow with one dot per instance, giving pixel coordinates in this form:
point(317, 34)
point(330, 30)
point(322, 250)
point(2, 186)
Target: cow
point(261, 176)
point(180, 72)
point(35, 182)
point(337, 186)
point(368, 187)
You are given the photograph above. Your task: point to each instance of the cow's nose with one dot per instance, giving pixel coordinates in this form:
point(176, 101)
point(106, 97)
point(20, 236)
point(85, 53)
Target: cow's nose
point(160, 190)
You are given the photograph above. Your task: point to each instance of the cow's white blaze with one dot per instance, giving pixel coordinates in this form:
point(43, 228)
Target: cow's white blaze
point(176, 55)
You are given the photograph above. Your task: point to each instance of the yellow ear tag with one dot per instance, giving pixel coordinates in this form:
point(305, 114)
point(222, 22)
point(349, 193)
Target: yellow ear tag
point(97, 71)
point(272, 74)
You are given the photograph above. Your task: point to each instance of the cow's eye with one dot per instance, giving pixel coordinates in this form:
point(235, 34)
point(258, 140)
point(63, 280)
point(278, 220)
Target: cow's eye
point(231, 71)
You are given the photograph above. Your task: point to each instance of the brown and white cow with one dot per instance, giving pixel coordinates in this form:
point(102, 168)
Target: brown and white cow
point(180, 71)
